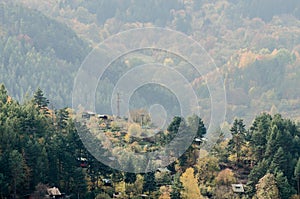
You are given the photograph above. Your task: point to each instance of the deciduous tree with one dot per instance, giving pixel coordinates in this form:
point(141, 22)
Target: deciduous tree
point(190, 185)
point(267, 188)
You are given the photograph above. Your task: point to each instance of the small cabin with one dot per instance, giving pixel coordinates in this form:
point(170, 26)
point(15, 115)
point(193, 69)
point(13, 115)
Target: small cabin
point(200, 140)
point(83, 162)
point(163, 170)
point(117, 195)
point(104, 117)
point(107, 182)
point(144, 196)
point(55, 193)
point(103, 125)
point(238, 188)
point(88, 115)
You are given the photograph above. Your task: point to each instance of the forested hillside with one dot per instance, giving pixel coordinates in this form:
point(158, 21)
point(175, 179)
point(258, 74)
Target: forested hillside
point(38, 52)
point(256, 45)
point(40, 148)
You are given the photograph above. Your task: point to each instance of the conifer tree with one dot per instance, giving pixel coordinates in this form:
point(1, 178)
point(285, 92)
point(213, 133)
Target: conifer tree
point(238, 132)
point(149, 182)
point(40, 100)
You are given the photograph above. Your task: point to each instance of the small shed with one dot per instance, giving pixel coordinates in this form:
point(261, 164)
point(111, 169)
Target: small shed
point(163, 170)
point(200, 140)
point(107, 182)
point(88, 114)
point(104, 117)
point(117, 195)
point(103, 125)
point(238, 188)
point(83, 162)
point(144, 196)
point(55, 193)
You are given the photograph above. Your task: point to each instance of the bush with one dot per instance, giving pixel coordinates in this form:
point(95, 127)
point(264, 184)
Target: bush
point(103, 196)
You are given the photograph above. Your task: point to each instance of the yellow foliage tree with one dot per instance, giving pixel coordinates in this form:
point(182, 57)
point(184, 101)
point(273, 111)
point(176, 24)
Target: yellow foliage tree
point(139, 184)
point(165, 192)
point(267, 188)
point(207, 168)
point(135, 188)
point(190, 185)
point(225, 177)
point(127, 138)
point(247, 58)
point(120, 187)
point(134, 130)
point(168, 61)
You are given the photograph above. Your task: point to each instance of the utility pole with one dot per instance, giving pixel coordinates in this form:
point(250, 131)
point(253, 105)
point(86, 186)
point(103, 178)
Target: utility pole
point(118, 104)
point(142, 119)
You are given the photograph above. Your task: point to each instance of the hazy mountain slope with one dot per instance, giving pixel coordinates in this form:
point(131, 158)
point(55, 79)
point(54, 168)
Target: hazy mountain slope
point(38, 52)
point(257, 51)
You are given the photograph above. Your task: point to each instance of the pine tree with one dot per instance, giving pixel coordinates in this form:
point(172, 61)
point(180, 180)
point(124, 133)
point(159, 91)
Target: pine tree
point(176, 187)
point(40, 100)
point(17, 170)
point(130, 177)
point(256, 173)
point(285, 189)
point(3, 183)
point(297, 175)
point(272, 144)
point(279, 161)
point(62, 116)
point(258, 135)
point(238, 132)
point(79, 185)
point(196, 124)
point(149, 182)
point(180, 135)
point(3, 94)
point(175, 125)
point(42, 166)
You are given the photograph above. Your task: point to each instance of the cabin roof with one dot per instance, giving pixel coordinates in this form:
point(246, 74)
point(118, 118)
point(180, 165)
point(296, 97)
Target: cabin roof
point(54, 191)
point(238, 188)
